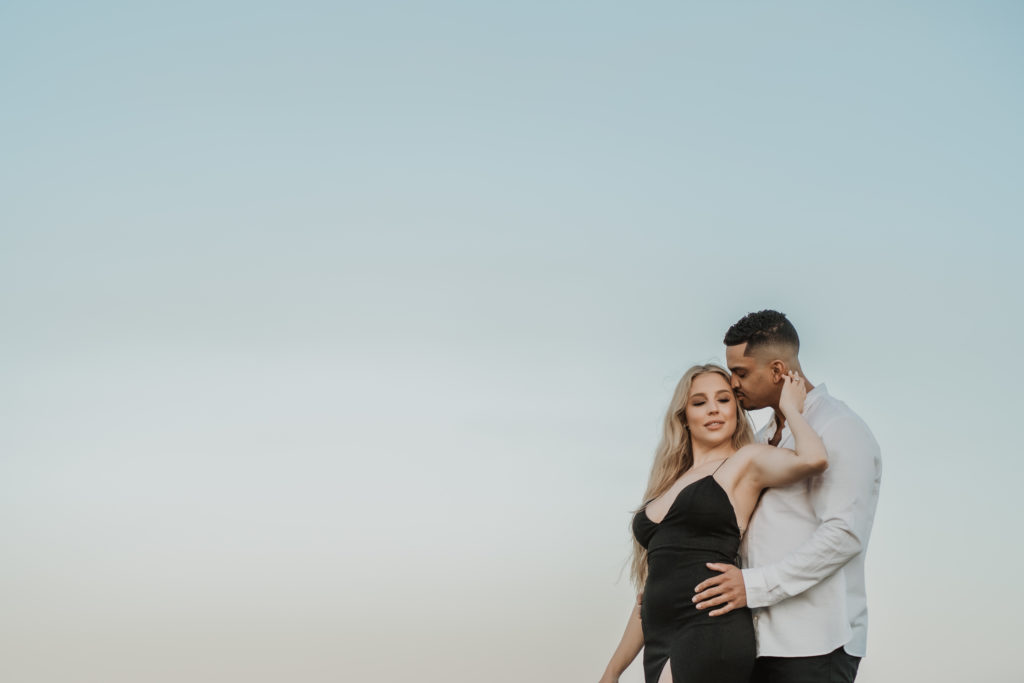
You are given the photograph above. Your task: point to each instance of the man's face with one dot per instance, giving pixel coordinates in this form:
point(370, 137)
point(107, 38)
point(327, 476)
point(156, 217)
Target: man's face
point(751, 378)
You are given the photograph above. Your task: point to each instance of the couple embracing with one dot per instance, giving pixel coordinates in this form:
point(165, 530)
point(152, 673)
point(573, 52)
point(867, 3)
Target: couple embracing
point(797, 611)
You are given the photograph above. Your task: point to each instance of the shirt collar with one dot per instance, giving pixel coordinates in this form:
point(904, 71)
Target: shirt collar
point(813, 396)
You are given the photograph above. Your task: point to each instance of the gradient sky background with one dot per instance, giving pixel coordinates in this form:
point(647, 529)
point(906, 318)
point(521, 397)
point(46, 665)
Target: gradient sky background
point(338, 336)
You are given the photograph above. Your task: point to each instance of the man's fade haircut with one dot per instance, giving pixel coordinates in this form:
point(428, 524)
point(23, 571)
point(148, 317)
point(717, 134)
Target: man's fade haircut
point(761, 329)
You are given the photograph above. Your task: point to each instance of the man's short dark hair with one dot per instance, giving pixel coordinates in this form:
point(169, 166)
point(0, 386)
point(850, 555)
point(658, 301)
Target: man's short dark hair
point(764, 328)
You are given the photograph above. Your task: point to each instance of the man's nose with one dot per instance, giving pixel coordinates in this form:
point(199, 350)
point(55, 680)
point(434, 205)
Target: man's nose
point(734, 381)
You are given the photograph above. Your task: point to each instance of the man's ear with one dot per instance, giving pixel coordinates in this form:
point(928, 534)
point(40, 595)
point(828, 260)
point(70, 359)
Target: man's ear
point(778, 369)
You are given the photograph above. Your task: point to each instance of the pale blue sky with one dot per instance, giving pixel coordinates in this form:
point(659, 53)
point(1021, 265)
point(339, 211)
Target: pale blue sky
point(338, 336)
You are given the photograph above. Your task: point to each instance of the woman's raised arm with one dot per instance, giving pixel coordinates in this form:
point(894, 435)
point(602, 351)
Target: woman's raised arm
point(772, 466)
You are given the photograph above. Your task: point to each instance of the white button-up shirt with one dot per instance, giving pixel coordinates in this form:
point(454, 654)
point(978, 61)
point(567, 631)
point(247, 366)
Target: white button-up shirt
point(805, 545)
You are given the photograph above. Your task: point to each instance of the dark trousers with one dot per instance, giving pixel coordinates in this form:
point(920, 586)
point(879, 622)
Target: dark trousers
point(835, 667)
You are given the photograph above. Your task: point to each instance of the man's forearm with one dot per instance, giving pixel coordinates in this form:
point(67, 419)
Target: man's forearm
point(833, 544)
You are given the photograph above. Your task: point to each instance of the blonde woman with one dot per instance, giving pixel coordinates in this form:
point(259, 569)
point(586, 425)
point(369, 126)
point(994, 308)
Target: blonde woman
point(706, 480)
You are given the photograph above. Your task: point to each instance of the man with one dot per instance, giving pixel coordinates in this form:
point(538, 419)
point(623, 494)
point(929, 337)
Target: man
point(805, 545)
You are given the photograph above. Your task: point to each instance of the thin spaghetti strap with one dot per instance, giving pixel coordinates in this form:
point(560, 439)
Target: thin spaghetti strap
point(719, 467)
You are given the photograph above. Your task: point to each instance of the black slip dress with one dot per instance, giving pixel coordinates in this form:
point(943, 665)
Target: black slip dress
point(700, 527)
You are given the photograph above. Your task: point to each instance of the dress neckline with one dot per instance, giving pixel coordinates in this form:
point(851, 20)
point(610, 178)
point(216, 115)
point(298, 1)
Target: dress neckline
point(678, 495)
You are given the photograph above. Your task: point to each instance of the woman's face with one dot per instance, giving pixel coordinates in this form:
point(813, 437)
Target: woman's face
point(711, 409)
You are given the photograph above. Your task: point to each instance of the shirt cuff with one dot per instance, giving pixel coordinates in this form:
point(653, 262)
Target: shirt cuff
point(756, 585)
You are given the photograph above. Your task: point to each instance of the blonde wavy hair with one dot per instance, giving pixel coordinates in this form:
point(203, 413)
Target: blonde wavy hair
point(674, 455)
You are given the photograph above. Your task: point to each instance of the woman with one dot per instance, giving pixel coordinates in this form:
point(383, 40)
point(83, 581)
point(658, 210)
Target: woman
point(705, 482)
